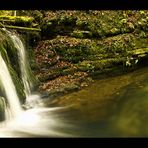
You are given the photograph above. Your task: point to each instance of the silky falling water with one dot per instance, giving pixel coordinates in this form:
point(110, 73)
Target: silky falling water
point(24, 65)
point(37, 120)
point(112, 107)
point(31, 99)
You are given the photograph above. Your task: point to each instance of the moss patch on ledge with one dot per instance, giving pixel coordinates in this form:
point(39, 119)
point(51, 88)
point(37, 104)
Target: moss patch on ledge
point(92, 24)
point(22, 28)
point(17, 20)
point(93, 43)
point(64, 56)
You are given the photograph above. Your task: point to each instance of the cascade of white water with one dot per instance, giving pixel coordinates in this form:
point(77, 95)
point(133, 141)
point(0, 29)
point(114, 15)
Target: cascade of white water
point(24, 65)
point(31, 99)
point(15, 13)
point(34, 121)
point(9, 88)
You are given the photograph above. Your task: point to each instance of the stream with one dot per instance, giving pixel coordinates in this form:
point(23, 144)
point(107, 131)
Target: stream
point(111, 107)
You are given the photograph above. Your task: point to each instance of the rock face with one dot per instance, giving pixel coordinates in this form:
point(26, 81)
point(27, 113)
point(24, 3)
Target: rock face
point(9, 54)
point(78, 46)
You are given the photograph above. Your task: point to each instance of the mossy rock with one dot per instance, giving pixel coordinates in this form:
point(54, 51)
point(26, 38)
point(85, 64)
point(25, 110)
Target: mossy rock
point(81, 34)
point(95, 42)
point(68, 71)
point(18, 84)
point(49, 76)
point(100, 24)
point(17, 20)
point(91, 66)
point(2, 109)
point(10, 56)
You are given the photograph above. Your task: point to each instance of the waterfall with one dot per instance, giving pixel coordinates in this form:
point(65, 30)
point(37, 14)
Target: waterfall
point(32, 100)
point(37, 119)
point(9, 89)
point(24, 65)
point(15, 13)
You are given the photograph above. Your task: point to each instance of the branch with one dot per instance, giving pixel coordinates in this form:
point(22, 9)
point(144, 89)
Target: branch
point(22, 28)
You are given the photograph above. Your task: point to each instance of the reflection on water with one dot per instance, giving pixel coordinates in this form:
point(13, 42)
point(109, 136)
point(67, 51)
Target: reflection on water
point(131, 118)
point(112, 107)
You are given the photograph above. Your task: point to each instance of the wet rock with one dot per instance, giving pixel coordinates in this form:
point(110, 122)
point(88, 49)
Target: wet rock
point(9, 54)
point(2, 109)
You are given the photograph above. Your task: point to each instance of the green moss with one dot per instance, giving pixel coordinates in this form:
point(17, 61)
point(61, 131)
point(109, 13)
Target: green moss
point(4, 53)
point(95, 41)
point(140, 42)
point(68, 71)
point(49, 76)
point(9, 54)
point(77, 34)
point(81, 34)
point(67, 20)
point(12, 54)
point(91, 66)
point(36, 14)
point(100, 24)
point(18, 84)
point(22, 28)
point(17, 20)
point(85, 66)
point(63, 25)
point(6, 12)
point(139, 52)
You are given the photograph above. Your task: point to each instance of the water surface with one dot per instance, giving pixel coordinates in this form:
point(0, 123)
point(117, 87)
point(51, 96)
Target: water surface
point(111, 107)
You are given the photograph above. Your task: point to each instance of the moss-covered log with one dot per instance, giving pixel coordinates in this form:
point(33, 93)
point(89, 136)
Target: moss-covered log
point(17, 20)
point(22, 28)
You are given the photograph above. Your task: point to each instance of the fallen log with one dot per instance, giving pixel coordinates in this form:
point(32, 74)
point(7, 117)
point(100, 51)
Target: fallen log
point(21, 28)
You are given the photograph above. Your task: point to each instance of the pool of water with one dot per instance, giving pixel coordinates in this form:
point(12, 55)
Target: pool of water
point(111, 107)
